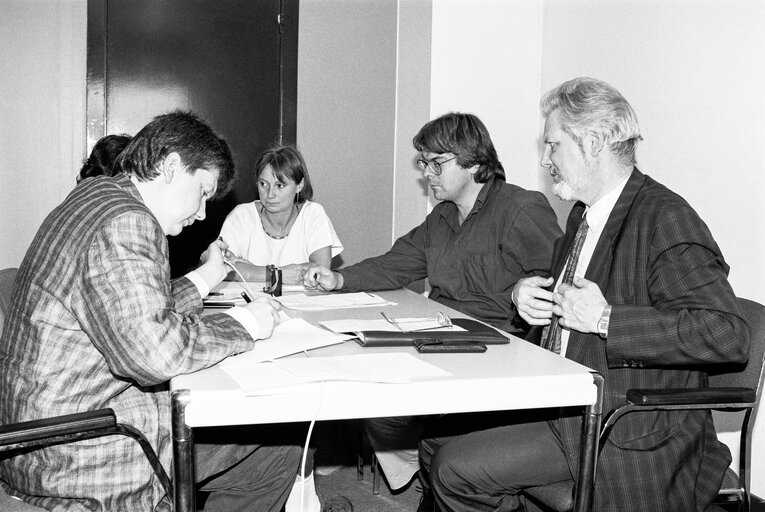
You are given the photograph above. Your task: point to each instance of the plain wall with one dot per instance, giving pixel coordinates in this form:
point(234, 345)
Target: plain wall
point(42, 114)
point(486, 61)
point(346, 116)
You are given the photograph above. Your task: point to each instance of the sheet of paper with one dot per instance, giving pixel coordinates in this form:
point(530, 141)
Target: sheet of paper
point(407, 325)
point(304, 302)
point(285, 374)
point(289, 337)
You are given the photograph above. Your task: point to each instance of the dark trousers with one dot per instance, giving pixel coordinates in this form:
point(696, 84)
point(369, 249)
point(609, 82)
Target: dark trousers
point(481, 462)
point(246, 468)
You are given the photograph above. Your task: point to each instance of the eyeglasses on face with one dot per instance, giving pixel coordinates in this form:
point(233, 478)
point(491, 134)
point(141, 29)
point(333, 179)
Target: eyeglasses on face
point(434, 165)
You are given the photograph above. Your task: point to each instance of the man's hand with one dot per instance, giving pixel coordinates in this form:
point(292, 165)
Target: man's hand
point(212, 269)
point(579, 306)
point(320, 277)
point(266, 311)
point(533, 302)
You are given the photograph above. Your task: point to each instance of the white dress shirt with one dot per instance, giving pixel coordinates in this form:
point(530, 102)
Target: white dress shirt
point(597, 214)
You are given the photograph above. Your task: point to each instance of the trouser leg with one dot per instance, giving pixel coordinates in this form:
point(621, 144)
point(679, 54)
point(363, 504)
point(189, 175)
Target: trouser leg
point(484, 470)
point(246, 468)
point(395, 441)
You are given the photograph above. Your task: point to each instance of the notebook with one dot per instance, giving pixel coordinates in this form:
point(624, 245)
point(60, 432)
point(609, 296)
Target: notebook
point(474, 331)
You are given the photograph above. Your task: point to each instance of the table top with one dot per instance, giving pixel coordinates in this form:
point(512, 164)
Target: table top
point(518, 375)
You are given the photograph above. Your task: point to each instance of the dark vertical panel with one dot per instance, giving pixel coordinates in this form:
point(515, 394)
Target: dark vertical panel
point(289, 70)
point(222, 59)
point(96, 78)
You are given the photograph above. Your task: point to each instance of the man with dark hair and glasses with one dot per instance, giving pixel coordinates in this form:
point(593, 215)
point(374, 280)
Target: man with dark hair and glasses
point(482, 237)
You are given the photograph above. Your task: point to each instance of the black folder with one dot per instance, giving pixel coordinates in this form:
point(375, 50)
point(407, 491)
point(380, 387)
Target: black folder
point(474, 331)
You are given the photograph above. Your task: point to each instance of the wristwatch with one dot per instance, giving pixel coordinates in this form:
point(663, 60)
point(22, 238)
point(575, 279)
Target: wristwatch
point(605, 318)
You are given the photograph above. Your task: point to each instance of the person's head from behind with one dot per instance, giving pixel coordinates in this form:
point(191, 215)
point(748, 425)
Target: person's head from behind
point(103, 156)
point(587, 122)
point(282, 179)
point(462, 137)
point(180, 164)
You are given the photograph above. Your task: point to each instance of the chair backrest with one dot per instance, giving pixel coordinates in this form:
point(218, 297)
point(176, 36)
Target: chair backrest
point(7, 276)
point(731, 426)
point(749, 376)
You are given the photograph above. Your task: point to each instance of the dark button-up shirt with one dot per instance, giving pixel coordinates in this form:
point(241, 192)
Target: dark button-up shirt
point(471, 267)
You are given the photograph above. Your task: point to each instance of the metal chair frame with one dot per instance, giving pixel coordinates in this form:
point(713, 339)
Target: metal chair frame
point(559, 497)
point(76, 427)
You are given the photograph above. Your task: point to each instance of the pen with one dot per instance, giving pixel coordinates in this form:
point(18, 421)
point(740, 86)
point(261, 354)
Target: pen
point(246, 297)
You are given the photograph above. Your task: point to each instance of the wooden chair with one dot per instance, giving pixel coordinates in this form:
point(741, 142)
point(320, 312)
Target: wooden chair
point(62, 429)
point(734, 389)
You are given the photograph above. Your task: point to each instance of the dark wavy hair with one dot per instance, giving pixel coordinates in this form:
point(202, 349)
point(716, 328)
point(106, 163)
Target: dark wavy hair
point(102, 157)
point(186, 134)
point(286, 162)
point(465, 136)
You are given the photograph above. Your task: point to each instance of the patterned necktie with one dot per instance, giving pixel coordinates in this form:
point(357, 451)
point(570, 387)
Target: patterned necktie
point(552, 340)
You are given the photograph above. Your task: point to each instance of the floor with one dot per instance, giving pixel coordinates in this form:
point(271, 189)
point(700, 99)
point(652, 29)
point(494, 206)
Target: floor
point(345, 483)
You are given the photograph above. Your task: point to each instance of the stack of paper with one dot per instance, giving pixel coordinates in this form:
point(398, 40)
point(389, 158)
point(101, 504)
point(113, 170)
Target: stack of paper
point(289, 337)
point(303, 302)
point(357, 325)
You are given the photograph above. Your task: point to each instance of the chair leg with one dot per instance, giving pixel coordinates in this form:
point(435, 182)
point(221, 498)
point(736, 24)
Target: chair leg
point(360, 456)
point(375, 469)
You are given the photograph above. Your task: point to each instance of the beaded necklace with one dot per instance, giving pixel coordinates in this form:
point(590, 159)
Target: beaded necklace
point(288, 225)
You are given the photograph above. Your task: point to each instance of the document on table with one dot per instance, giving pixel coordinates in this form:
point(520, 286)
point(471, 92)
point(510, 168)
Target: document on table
point(357, 325)
point(304, 302)
point(285, 374)
point(290, 337)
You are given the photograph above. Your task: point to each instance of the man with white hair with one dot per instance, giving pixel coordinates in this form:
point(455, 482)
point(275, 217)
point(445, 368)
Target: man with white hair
point(638, 292)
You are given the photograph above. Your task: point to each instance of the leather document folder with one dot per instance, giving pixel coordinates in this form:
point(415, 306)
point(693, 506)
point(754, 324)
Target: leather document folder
point(474, 331)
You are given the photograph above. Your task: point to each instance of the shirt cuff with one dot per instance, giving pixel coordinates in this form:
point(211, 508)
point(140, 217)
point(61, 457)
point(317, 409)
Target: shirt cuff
point(200, 283)
point(259, 323)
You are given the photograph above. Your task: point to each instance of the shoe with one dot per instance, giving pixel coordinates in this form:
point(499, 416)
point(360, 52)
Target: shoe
point(427, 501)
point(337, 504)
point(327, 470)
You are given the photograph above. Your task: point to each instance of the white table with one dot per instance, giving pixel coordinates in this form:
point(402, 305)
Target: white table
point(517, 375)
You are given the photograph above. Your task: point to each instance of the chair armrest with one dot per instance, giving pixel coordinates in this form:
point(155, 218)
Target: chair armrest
point(57, 426)
point(685, 396)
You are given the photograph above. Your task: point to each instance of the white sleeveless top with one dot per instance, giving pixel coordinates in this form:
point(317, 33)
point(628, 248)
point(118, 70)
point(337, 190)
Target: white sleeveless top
point(246, 238)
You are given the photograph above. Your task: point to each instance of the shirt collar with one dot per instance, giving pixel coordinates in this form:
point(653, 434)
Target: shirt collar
point(598, 213)
point(479, 200)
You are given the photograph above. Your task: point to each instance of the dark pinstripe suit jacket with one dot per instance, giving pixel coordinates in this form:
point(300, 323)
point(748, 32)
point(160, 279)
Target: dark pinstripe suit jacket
point(674, 312)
